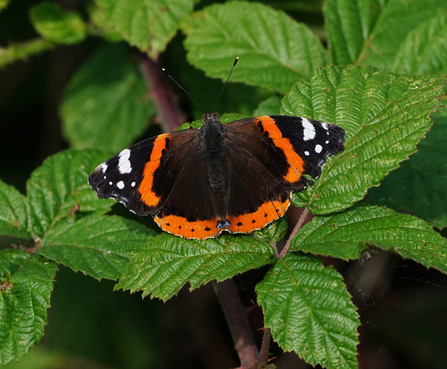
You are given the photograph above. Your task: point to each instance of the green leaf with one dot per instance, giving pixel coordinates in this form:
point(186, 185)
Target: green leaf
point(99, 246)
point(166, 263)
point(26, 284)
point(349, 25)
point(59, 189)
point(56, 25)
point(99, 19)
point(309, 311)
point(106, 105)
point(195, 124)
point(274, 50)
point(269, 106)
point(273, 233)
point(146, 24)
point(4, 4)
point(398, 19)
point(384, 116)
point(425, 48)
point(418, 186)
point(231, 117)
point(346, 235)
point(371, 32)
point(13, 212)
point(224, 119)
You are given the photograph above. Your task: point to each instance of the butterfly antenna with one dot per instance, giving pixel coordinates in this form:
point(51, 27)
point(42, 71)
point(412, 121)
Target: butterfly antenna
point(186, 92)
point(231, 71)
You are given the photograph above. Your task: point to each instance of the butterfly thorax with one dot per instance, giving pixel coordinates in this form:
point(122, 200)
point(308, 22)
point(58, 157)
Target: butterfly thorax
point(212, 133)
point(214, 149)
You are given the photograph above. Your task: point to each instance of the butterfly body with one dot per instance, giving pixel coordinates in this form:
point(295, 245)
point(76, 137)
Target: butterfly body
point(214, 153)
point(236, 177)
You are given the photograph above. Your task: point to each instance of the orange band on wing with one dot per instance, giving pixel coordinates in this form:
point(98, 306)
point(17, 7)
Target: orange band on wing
point(265, 214)
point(147, 195)
point(179, 226)
point(245, 223)
point(295, 161)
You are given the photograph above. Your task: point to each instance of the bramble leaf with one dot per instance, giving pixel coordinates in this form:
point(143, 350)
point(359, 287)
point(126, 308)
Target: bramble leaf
point(308, 310)
point(99, 20)
point(26, 282)
point(349, 26)
point(384, 116)
point(58, 189)
point(419, 185)
point(56, 25)
point(371, 32)
point(274, 50)
point(273, 233)
point(166, 263)
point(148, 25)
point(4, 4)
point(106, 105)
point(99, 246)
point(13, 213)
point(269, 106)
point(424, 49)
point(347, 234)
point(224, 119)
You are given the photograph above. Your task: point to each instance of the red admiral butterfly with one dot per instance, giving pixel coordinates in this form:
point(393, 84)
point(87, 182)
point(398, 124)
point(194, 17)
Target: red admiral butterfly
point(236, 177)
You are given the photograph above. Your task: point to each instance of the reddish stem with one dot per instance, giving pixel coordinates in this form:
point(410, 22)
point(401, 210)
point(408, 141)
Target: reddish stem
point(161, 94)
point(264, 353)
point(297, 227)
point(235, 315)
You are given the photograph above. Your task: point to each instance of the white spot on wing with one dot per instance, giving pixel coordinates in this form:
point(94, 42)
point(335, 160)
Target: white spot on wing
point(325, 126)
point(133, 184)
point(318, 148)
point(120, 185)
point(326, 142)
point(124, 162)
point(110, 183)
point(103, 167)
point(309, 130)
point(307, 153)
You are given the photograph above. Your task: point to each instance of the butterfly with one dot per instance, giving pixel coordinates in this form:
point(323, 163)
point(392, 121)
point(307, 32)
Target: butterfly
point(236, 177)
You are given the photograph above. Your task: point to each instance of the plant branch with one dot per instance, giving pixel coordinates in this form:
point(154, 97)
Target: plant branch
point(297, 227)
point(161, 94)
point(23, 50)
point(236, 317)
point(264, 353)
